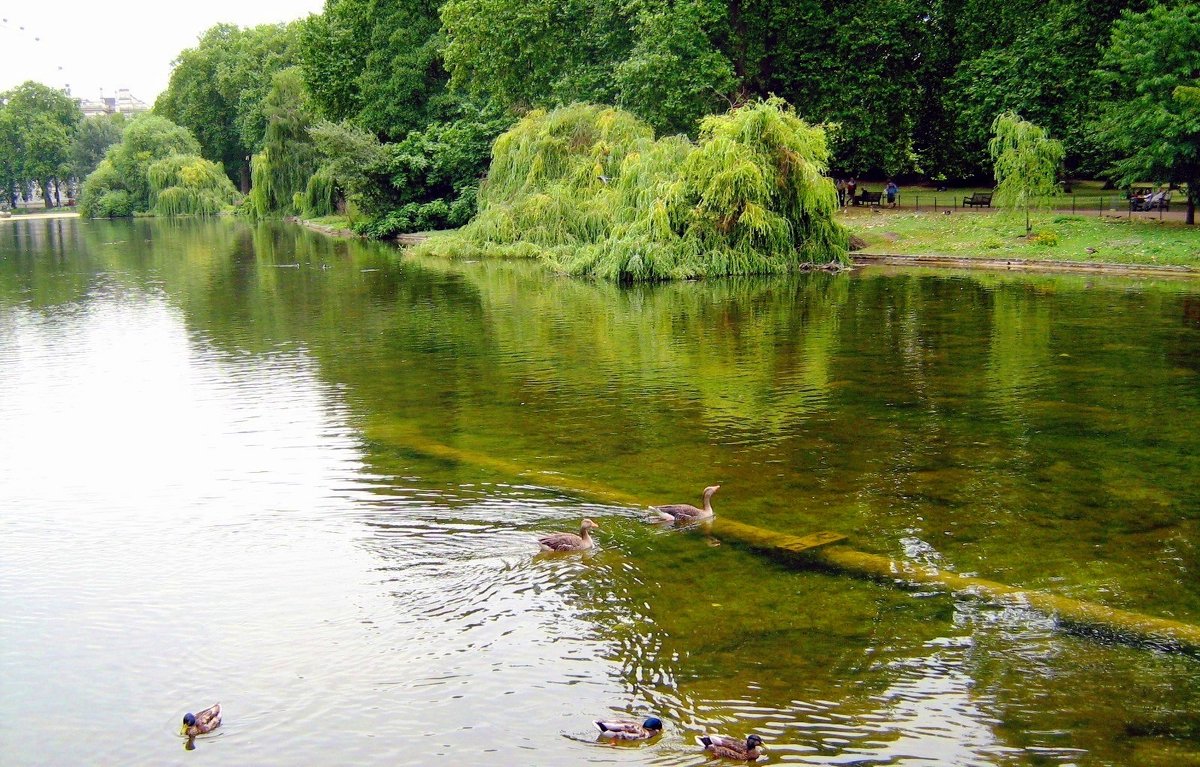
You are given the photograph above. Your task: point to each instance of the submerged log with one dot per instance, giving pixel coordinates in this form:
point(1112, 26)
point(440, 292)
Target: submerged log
point(1072, 614)
point(823, 549)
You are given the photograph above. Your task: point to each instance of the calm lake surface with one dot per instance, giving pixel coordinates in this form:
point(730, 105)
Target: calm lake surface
point(220, 479)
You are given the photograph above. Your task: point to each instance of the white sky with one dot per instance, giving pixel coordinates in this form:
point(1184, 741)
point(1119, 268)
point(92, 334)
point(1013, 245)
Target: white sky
point(95, 45)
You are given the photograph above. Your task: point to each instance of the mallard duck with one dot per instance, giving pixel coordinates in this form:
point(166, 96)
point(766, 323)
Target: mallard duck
point(732, 748)
point(686, 512)
point(206, 721)
point(626, 729)
point(570, 541)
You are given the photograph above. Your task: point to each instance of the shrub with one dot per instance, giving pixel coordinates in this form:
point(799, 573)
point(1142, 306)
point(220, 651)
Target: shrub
point(117, 203)
point(1045, 237)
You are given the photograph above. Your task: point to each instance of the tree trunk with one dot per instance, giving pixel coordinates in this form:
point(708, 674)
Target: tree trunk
point(245, 176)
point(47, 196)
point(1193, 193)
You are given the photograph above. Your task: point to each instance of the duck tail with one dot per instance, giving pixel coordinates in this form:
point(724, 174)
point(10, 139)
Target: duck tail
point(705, 741)
point(603, 727)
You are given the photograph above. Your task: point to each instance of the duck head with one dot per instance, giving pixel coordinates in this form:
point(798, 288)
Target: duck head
point(653, 723)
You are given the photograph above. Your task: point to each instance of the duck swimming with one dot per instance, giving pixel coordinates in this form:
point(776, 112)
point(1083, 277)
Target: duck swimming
point(206, 721)
point(570, 541)
point(732, 748)
point(685, 512)
point(626, 729)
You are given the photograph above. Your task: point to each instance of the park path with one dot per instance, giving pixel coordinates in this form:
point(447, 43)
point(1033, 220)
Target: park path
point(42, 216)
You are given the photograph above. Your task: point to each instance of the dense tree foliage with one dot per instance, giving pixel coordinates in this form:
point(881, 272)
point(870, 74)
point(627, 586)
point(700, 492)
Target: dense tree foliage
point(37, 127)
point(589, 190)
point(156, 167)
point(394, 141)
point(1150, 118)
point(426, 181)
point(376, 63)
point(218, 90)
point(289, 158)
point(397, 101)
point(912, 84)
point(92, 139)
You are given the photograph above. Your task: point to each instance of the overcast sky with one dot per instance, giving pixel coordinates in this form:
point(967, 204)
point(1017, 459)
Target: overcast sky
point(95, 45)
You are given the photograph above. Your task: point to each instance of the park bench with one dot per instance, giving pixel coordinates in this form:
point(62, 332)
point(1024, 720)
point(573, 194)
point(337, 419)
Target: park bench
point(978, 200)
point(1158, 201)
point(868, 198)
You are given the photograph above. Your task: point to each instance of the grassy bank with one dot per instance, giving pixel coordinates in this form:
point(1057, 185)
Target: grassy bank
point(1055, 237)
point(978, 235)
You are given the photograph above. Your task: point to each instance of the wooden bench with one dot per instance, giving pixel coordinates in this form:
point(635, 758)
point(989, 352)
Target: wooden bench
point(868, 198)
point(978, 200)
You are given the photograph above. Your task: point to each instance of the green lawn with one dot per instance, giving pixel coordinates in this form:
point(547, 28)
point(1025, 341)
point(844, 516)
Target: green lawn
point(1059, 237)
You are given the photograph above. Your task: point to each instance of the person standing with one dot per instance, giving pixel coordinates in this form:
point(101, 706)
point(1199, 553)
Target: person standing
point(893, 193)
point(840, 185)
point(851, 188)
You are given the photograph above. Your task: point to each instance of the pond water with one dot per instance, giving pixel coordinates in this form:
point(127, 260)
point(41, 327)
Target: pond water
point(220, 479)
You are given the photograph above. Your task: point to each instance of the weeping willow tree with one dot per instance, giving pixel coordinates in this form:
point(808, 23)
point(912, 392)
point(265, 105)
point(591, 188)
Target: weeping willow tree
point(1026, 163)
point(589, 190)
point(319, 197)
point(289, 159)
point(189, 185)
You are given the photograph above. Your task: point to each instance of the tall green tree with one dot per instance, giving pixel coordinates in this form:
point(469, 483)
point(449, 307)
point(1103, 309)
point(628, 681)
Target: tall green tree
point(674, 62)
point(1034, 58)
point(659, 58)
point(217, 90)
point(1154, 134)
point(377, 63)
point(288, 158)
point(395, 141)
point(37, 125)
point(93, 137)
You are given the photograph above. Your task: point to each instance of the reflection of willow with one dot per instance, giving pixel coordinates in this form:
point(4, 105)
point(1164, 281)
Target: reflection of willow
point(754, 353)
point(246, 287)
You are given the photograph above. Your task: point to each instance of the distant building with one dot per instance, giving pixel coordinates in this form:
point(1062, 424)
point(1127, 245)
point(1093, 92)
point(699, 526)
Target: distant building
point(124, 102)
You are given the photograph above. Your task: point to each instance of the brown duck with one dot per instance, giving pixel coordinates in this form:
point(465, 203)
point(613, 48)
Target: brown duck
point(204, 721)
point(732, 748)
point(686, 512)
point(570, 541)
